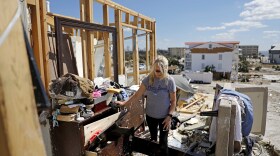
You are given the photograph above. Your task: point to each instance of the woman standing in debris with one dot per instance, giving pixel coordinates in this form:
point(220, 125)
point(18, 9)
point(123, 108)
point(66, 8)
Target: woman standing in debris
point(160, 90)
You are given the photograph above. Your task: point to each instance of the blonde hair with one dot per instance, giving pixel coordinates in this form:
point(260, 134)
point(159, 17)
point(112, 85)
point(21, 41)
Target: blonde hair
point(162, 63)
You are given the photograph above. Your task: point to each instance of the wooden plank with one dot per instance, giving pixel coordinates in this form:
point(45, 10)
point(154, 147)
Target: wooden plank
point(143, 23)
point(148, 45)
point(84, 37)
point(117, 6)
point(44, 35)
point(192, 103)
point(31, 2)
point(232, 128)
point(101, 124)
point(154, 39)
point(68, 30)
point(50, 14)
point(259, 97)
point(147, 52)
point(118, 22)
point(50, 20)
point(139, 35)
point(37, 39)
point(195, 109)
point(136, 27)
point(191, 110)
point(90, 37)
point(124, 67)
point(107, 54)
point(135, 53)
point(89, 153)
point(217, 91)
point(127, 18)
point(129, 26)
point(223, 128)
point(20, 132)
point(152, 45)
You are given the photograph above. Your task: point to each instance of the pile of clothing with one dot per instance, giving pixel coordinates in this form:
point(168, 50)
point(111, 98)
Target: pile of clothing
point(75, 98)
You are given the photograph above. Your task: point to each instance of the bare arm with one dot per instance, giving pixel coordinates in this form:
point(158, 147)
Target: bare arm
point(134, 97)
point(167, 120)
point(172, 102)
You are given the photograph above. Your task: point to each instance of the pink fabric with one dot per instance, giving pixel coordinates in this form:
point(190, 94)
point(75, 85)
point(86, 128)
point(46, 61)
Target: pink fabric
point(96, 94)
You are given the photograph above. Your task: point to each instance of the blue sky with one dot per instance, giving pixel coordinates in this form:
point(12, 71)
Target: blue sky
point(248, 21)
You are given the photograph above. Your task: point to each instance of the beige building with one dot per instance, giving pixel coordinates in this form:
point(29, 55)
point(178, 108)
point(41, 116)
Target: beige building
point(177, 51)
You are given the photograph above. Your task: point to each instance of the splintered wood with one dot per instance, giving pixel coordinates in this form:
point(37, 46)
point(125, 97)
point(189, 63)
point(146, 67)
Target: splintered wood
point(195, 105)
point(135, 115)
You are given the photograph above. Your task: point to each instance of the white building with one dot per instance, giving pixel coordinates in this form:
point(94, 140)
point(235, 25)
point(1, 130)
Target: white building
point(274, 54)
point(222, 55)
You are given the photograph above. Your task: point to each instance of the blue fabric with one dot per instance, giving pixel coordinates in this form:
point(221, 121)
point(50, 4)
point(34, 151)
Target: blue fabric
point(249, 142)
point(247, 121)
point(124, 94)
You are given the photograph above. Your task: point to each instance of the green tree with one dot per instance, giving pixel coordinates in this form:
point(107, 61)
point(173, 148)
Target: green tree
point(210, 68)
point(243, 65)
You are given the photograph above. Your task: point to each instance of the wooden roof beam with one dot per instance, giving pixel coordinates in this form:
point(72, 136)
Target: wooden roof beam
point(135, 27)
point(124, 9)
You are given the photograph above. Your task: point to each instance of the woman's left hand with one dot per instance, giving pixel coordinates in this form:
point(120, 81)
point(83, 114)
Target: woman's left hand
point(167, 123)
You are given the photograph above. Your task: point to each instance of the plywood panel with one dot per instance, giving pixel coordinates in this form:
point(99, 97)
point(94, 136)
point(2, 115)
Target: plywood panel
point(259, 97)
point(20, 133)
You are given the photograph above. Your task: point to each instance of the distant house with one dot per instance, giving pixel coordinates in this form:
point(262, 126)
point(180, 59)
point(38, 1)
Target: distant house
point(274, 54)
point(222, 55)
point(249, 51)
point(177, 51)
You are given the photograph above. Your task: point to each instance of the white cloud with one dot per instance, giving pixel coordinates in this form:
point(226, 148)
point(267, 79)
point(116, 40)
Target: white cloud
point(223, 36)
point(271, 34)
point(238, 30)
point(210, 28)
point(261, 10)
point(245, 24)
point(229, 35)
point(241, 24)
point(252, 17)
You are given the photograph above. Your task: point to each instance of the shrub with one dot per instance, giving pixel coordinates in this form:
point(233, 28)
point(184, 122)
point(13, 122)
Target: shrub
point(209, 68)
point(277, 68)
point(244, 78)
point(258, 68)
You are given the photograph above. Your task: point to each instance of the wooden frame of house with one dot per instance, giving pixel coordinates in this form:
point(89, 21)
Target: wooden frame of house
point(41, 19)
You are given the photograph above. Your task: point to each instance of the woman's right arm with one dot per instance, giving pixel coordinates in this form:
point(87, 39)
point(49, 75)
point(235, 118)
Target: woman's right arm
point(138, 94)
